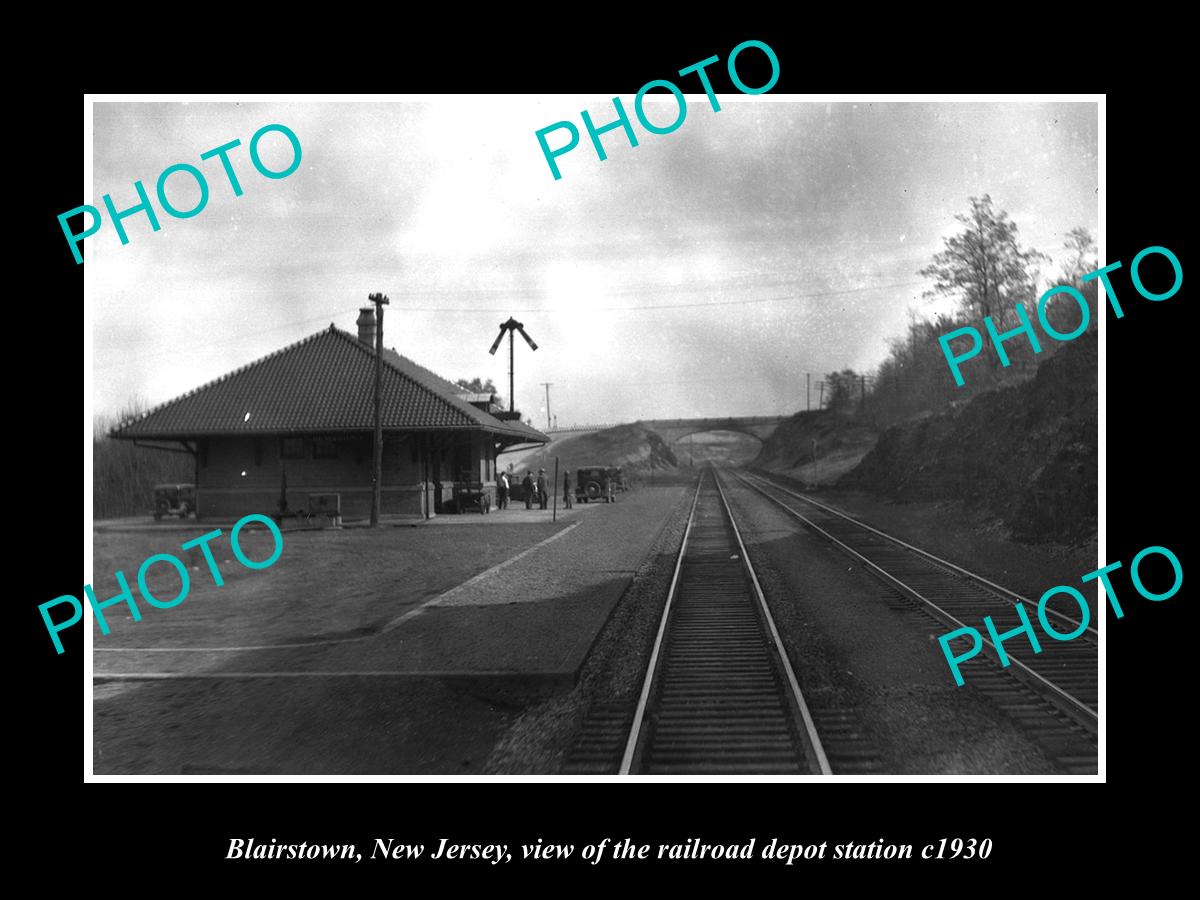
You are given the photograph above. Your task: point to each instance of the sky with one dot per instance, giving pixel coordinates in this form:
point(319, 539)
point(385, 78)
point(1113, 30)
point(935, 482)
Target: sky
point(701, 273)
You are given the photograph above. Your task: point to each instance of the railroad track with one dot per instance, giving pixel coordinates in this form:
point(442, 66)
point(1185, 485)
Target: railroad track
point(1053, 695)
point(719, 695)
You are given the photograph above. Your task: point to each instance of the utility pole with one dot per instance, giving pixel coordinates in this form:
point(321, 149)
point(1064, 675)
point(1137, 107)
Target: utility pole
point(548, 385)
point(808, 389)
point(380, 302)
point(862, 391)
point(821, 399)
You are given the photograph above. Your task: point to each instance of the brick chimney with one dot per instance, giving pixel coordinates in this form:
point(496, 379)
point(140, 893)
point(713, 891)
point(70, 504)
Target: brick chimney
point(366, 326)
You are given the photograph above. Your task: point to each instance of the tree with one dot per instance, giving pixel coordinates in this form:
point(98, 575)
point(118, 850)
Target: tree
point(984, 266)
point(1081, 256)
point(1062, 313)
point(842, 387)
point(913, 378)
point(124, 475)
point(476, 385)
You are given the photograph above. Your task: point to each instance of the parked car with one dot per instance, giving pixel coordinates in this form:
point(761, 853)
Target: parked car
point(174, 500)
point(618, 477)
point(472, 495)
point(591, 483)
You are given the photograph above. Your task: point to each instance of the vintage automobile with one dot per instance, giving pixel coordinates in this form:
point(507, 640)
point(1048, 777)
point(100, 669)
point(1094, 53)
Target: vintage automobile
point(591, 483)
point(472, 495)
point(618, 477)
point(174, 500)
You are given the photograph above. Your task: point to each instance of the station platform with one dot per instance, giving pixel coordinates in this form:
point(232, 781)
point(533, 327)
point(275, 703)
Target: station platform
point(532, 614)
point(301, 674)
point(514, 514)
point(536, 615)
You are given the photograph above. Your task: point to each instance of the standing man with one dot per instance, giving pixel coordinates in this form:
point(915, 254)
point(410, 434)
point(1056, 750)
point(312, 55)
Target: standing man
point(567, 490)
point(502, 491)
point(528, 488)
point(542, 488)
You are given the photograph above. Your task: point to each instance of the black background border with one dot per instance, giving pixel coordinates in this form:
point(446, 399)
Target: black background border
point(186, 826)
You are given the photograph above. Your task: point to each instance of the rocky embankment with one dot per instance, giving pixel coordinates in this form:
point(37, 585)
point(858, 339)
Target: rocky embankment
point(1026, 452)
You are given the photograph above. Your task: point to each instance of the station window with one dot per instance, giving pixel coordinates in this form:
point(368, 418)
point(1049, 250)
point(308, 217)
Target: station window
point(291, 448)
point(324, 448)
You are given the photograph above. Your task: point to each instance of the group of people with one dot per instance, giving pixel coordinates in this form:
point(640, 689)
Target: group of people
point(535, 490)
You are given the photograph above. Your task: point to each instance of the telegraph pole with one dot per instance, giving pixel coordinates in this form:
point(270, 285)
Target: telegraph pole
point(808, 389)
point(380, 302)
point(548, 385)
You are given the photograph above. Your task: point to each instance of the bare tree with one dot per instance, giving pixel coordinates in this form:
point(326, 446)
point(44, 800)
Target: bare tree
point(1081, 255)
point(1062, 313)
point(984, 266)
point(123, 475)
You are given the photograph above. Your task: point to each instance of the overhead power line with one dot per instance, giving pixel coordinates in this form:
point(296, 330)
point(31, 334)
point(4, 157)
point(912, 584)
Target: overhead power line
point(404, 307)
point(551, 309)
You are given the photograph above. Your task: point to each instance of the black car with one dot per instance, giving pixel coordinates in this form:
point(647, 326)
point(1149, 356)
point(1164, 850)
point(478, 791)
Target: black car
point(591, 483)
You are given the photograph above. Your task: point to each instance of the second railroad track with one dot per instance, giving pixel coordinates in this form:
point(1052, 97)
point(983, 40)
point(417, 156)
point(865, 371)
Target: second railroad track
point(1052, 694)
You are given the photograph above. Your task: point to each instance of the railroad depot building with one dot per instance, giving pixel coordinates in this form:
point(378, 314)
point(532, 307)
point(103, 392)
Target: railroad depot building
point(300, 422)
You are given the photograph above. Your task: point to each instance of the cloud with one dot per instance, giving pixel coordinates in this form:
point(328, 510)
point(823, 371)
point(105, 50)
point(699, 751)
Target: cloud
point(778, 227)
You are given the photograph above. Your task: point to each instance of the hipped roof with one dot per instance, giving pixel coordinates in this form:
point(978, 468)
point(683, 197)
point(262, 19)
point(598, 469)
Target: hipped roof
point(322, 384)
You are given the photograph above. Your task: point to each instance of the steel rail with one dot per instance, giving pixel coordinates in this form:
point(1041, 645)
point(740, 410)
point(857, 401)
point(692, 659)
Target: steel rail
point(1082, 711)
point(925, 553)
point(643, 700)
point(810, 727)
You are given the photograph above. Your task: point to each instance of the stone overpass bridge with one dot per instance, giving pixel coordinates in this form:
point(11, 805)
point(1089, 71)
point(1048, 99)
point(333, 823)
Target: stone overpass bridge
point(673, 430)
